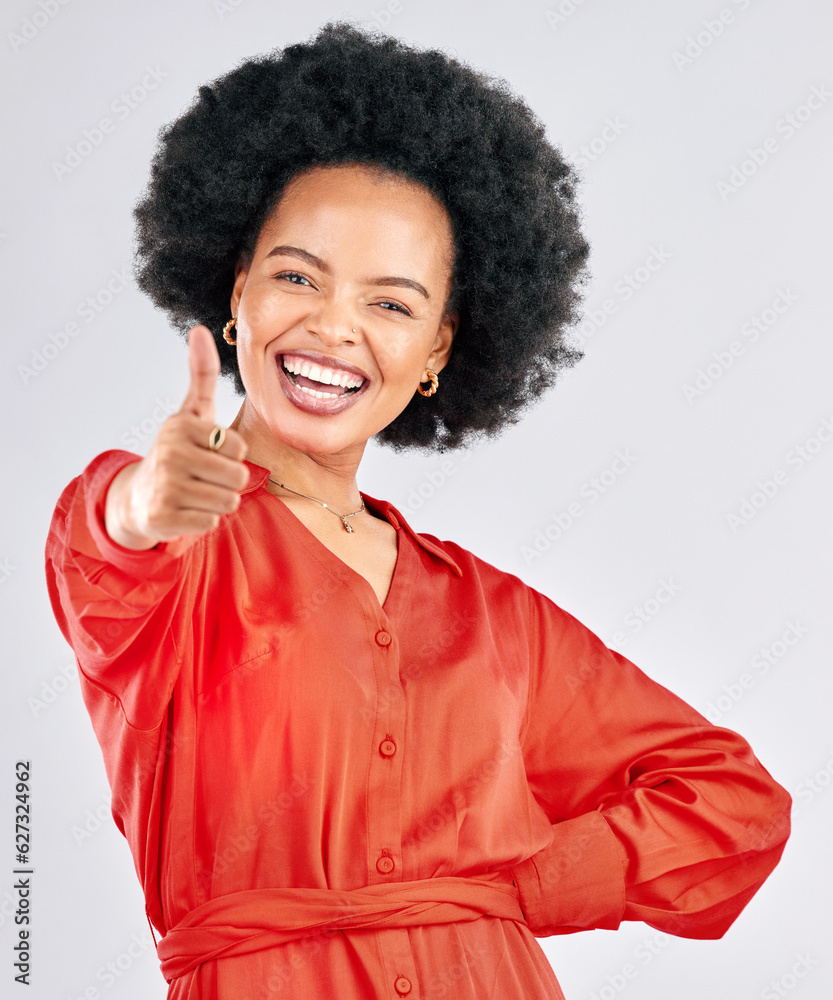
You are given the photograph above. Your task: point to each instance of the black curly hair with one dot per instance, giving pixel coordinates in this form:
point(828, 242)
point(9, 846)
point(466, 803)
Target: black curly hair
point(349, 96)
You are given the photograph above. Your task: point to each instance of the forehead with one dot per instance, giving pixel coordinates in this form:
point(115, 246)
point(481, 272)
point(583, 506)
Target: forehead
point(361, 177)
point(364, 196)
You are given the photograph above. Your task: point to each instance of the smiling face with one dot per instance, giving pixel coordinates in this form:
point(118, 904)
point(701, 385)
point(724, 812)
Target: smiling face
point(340, 311)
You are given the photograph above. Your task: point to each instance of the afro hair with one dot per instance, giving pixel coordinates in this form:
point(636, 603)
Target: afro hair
point(349, 96)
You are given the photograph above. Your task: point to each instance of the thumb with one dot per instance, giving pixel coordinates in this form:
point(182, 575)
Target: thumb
point(204, 363)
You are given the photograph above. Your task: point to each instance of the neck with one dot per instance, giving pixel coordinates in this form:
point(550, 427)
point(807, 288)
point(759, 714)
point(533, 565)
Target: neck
point(330, 478)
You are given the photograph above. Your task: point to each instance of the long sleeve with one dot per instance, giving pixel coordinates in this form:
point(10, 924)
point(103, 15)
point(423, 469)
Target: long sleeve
point(116, 607)
point(657, 815)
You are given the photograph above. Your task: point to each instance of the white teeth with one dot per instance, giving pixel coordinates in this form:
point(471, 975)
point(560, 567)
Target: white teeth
point(326, 376)
point(318, 395)
point(346, 379)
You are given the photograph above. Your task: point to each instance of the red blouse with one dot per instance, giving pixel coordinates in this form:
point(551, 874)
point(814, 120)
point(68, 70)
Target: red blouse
point(328, 797)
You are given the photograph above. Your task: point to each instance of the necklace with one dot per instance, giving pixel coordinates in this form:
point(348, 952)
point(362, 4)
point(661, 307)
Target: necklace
point(343, 517)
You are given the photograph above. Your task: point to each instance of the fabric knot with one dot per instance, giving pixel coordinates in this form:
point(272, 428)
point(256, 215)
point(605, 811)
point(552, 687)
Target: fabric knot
point(240, 923)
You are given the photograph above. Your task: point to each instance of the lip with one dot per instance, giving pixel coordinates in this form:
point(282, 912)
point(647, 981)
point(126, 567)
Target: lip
point(328, 361)
point(309, 404)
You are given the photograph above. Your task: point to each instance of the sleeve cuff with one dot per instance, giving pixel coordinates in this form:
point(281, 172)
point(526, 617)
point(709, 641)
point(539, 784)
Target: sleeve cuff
point(132, 561)
point(577, 883)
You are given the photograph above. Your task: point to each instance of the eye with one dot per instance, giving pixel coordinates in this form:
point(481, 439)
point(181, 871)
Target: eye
point(291, 274)
point(396, 307)
point(295, 274)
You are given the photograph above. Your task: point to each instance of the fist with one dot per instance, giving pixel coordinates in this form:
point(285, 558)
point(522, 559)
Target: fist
point(181, 486)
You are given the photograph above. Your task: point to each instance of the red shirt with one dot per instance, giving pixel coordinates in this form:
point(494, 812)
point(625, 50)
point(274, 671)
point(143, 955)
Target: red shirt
point(325, 796)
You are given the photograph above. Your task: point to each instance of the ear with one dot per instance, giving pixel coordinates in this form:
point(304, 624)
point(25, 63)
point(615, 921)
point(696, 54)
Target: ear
point(441, 351)
point(241, 272)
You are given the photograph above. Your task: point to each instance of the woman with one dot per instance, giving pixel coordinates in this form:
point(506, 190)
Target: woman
point(351, 759)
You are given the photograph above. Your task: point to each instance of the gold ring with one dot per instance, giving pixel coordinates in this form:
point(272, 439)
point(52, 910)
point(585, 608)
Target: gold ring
point(216, 438)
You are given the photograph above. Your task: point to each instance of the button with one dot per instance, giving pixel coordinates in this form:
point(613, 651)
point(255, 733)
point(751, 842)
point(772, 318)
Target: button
point(402, 985)
point(387, 748)
point(385, 866)
point(383, 637)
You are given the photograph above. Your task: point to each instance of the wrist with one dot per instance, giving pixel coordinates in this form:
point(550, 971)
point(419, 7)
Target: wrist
point(117, 512)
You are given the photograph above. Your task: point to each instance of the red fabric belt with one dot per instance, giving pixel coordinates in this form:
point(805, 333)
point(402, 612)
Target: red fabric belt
point(256, 919)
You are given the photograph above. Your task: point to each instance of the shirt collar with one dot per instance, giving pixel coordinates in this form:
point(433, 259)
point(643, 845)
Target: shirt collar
point(258, 476)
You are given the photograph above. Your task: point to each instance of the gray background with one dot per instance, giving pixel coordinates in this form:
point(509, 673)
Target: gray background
point(653, 186)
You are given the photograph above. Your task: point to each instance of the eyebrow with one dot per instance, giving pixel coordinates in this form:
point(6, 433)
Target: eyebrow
point(310, 258)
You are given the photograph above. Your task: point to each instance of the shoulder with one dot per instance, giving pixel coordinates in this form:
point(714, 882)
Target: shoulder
point(468, 560)
point(482, 584)
point(500, 588)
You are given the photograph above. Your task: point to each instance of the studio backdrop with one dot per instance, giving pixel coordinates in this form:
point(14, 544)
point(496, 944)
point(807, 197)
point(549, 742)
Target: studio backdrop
point(672, 491)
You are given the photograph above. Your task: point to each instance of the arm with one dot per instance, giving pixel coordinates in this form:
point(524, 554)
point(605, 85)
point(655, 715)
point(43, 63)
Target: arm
point(116, 606)
point(121, 598)
point(117, 514)
point(657, 815)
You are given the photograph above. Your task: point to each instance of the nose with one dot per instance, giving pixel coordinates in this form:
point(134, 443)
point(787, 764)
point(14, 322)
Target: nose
point(334, 324)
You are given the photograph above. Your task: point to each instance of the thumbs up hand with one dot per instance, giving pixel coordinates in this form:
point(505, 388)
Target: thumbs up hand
point(204, 364)
point(182, 485)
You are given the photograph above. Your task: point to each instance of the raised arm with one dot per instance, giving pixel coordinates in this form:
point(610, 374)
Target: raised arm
point(121, 538)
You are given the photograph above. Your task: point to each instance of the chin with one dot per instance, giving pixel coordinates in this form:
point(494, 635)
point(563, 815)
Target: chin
point(324, 439)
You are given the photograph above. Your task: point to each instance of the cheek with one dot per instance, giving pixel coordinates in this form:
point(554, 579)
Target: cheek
point(264, 309)
point(401, 354)
point(249, 374)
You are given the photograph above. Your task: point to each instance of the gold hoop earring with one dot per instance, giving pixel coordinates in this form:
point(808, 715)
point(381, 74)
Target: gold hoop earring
point(434, 383)
point(227, 330)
